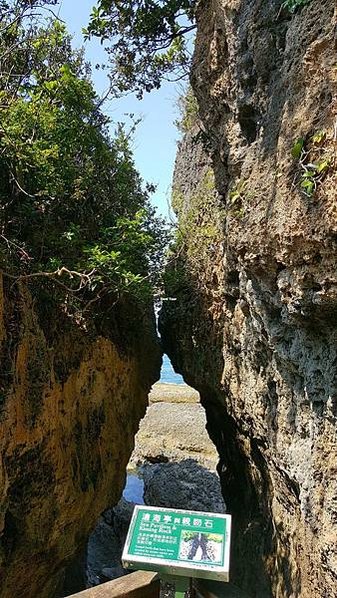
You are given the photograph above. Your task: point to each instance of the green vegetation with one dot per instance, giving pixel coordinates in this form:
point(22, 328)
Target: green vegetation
point(199, 241)
point(74, 211)
point(297, 148)
point(188, 110)
point(236, 198)
point(293, 5)
point(148, 41)
point(313, 160)
point(175, 278)
point(197, 237)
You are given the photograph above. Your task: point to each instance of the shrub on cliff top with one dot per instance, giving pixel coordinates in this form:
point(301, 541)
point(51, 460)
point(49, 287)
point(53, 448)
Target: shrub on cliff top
point(73, 207)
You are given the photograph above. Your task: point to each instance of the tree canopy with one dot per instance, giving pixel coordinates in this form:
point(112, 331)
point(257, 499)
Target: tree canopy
point(147, 41)
point(74, 210)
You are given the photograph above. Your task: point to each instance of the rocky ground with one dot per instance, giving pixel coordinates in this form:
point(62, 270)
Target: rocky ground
point(163, 392)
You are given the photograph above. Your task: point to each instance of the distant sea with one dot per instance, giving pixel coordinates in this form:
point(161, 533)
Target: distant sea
point(168, 374)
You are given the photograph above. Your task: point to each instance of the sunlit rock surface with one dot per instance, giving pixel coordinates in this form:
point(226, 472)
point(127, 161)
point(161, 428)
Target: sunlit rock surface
point(71, 401)
point(254, 327)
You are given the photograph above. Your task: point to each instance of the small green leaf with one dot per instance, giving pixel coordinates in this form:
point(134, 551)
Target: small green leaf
point(308, 186)
point(234, 196)
point(297, 148)
point(293, 5)
point(322, 166)
point(318, 137)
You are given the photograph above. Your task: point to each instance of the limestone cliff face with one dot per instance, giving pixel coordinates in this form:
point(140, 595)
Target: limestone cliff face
point(71, 401)
point(254, 327)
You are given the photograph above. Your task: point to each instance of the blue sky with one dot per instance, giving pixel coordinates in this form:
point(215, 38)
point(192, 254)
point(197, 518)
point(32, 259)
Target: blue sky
point(156, 137)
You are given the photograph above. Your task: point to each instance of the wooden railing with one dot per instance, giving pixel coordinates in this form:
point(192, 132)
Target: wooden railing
point(145, 584)
point(140, 584)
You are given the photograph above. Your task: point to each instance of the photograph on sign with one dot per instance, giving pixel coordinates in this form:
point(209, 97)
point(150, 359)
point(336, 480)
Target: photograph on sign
point(189, 543)
point(201, 547)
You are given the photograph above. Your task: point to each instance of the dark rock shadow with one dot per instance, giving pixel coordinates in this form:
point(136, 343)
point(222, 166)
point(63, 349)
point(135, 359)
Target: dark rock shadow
point(183, 485)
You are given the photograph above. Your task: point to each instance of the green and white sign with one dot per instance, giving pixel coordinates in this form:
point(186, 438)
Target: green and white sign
point(176, 542)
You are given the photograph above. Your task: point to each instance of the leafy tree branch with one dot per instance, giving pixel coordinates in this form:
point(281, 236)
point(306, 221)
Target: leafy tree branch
point(71, 201)
point(147, 41)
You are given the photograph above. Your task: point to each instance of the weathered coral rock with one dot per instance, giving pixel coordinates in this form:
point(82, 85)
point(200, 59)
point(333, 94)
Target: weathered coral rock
point(71, 401)
point(174, 432)
point(255, 332)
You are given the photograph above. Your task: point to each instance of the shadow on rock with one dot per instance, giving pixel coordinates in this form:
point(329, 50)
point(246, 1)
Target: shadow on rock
point(106, 543)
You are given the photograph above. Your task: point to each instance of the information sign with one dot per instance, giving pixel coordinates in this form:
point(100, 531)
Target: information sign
point(176, 542)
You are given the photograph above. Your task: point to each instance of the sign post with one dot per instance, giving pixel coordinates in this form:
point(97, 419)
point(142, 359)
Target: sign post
point(179, 544)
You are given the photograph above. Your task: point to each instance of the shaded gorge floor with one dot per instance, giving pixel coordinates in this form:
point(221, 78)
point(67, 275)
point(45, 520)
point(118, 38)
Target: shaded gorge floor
point(173, 465)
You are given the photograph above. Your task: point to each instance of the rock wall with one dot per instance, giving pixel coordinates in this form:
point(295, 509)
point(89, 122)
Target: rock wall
point(71, 401)
point(254, 325)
